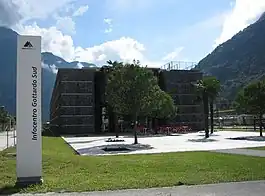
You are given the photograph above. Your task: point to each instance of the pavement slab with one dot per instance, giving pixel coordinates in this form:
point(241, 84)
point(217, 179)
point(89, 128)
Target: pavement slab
point(220, 140)
point(252, 188)
point(247, 152)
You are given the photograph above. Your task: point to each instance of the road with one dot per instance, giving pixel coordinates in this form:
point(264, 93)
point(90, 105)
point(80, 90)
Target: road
point(3, 140)
point(254, 188)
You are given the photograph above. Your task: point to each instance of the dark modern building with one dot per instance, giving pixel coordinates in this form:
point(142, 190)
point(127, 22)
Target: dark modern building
point(72, 106)
point(78, 101)
point(179, 84)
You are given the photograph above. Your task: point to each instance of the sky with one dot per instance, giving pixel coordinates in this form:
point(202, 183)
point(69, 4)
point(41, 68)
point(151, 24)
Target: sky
point(152, 31)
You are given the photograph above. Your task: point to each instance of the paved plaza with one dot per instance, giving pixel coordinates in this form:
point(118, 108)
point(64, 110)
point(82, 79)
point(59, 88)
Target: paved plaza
point(255, 188)
point(158, 144)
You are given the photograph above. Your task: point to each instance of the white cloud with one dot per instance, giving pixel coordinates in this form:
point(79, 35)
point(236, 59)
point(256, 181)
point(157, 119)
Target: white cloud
point(68, 8)
point(8, 14)
point(108, 30)
point(79, 65)
point(124, 49)
point(45, 66)
point(32, 9)
point(243, 13)
point(174, 55)
point(15, 12)
point(127, 5)
point(54, 69)
point(57, 39)
point(66, 24)
point(108, 21)
point(81, 10)
point(51, 68)
point(53, 40)
point(102, 57)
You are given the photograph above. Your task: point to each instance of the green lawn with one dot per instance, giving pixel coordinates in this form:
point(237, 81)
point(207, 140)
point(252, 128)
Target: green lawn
point(63, 170)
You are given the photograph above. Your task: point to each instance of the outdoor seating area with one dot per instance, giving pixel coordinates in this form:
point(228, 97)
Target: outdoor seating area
point(165, 130)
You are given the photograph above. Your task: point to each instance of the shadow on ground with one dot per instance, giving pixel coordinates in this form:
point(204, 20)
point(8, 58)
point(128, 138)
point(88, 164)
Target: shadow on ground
point(214, 134)
point(249, 138)
point(8, 190)
point(202, 140)
point(113, 149)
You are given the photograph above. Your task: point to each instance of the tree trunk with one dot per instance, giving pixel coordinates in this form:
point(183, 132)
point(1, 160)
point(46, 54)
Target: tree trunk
point(156, 126)
point(135, 129)
point(260, 125)
point(150, 123)
point(211, 115)
point(206, 113)
point(116, 125)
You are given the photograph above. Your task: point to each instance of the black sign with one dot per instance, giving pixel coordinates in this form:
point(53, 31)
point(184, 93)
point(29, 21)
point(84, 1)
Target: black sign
point(28, 45)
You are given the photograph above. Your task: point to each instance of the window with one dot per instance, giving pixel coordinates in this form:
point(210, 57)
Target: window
point(77, 100)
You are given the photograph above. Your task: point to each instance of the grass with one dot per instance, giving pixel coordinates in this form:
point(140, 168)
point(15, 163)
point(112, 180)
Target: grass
point(63, 170)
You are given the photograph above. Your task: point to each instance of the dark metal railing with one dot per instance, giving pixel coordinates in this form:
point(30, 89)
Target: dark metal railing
point(179, 65)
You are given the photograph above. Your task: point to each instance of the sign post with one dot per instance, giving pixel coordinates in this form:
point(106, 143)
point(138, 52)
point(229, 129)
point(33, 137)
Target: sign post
point(28, 111)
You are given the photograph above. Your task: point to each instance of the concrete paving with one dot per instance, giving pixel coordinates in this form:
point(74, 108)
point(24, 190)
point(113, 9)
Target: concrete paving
point(254, 188)
point(4, 142)
point(159, 144)
point(248, 152)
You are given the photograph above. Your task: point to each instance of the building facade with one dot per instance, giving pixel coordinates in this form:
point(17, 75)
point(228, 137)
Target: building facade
point(180, 85)
point(78, 101)
point(72, 106)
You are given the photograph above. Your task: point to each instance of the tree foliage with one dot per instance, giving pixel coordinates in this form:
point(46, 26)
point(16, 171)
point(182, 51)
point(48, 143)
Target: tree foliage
point(208, 88)
point(161, 104)
point(129, 87)
point(252, 100)
point(133, 90)
point(210, 85)
point(4, 118)
point(3, 115)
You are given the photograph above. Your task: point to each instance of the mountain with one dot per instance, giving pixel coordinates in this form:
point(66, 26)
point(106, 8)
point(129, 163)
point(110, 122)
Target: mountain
point(239, 60)
point(262, 17)
point(50, 64)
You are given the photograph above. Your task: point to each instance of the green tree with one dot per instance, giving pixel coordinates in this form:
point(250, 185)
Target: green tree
point(252, 100)
point(213, 88)
point(128, 88)
point(112, 114)
point(3, 118)
point(208, 88)
point(160, 105)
